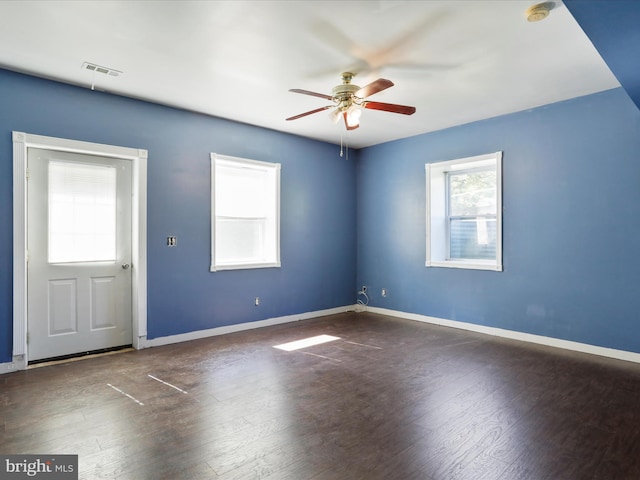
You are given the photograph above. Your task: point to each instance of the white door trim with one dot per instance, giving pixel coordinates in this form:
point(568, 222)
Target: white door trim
point(21, 142)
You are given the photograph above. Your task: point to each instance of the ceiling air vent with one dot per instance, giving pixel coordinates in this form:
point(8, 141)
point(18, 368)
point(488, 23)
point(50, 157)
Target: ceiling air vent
point(100, 69)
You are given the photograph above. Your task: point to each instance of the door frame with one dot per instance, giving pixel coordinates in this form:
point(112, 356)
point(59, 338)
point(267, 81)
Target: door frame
point(21, 142)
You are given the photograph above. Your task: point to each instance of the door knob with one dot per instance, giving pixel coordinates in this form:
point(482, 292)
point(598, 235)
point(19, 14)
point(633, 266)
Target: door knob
point(125, 266)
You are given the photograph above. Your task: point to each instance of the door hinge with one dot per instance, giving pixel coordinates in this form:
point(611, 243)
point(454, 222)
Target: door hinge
point(26, 174)
point(27, 338)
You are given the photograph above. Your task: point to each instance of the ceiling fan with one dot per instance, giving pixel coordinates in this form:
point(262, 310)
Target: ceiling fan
point(349, 99)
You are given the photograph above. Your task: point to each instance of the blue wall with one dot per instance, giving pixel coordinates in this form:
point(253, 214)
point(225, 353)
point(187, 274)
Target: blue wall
point(318, 236)
point(612, 27)
point(571, 198)
point(571, 204)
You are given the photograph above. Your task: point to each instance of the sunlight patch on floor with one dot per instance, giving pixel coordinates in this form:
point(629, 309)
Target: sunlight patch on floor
point(306, 342)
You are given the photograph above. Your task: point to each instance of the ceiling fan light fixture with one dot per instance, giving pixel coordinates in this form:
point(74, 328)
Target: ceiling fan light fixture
point(335, 114)
point(349, 122)
point(353, 115)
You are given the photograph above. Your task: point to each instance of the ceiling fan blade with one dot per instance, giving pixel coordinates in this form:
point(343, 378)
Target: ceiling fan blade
point(390, 107)
point(315, 94)
point(350, 126)
point(374, 87)
point(309, 113)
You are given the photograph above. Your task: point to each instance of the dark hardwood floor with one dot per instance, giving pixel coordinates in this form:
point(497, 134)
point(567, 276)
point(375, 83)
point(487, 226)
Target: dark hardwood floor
point(393, 399)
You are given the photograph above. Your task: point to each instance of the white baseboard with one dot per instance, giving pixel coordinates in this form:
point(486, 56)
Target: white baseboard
point(185, 337)
point(8, 367)
point(511, 334)
point(18, 363)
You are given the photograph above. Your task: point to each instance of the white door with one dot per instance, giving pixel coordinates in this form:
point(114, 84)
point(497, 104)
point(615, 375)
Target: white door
point(79, 253)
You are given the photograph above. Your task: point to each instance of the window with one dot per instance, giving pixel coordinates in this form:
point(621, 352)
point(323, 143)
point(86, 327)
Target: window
point(464, 213)
point(245, 206)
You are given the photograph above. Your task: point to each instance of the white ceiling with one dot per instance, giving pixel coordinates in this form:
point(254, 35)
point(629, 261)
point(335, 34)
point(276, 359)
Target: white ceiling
point(455, 61)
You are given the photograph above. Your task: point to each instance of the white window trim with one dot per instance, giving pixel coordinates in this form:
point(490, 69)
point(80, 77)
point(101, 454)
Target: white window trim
point(432, 170)
point(243, 265)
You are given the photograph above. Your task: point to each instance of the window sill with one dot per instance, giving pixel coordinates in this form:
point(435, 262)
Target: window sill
point(468, 264)
point(243, 266)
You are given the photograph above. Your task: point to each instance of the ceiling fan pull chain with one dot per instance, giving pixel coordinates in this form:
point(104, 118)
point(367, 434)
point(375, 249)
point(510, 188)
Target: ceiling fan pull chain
point(346, 143)
point(341, 154)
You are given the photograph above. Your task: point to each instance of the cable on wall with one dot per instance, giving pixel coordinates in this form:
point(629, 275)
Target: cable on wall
point(363, 293)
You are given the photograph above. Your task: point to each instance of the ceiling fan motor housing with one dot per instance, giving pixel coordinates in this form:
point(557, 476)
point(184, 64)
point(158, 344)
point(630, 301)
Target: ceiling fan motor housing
point(343, 94)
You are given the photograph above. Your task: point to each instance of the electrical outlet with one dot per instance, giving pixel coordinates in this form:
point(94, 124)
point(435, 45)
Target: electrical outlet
point(172, 241)
point(257, 301)
point(364, 289)
point(384, 292)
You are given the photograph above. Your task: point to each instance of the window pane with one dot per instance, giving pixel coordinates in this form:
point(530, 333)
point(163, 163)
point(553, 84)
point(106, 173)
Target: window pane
point(82, 213)
point(472, 193)
point(242, 192)
point(473, 238)
point(240, 240)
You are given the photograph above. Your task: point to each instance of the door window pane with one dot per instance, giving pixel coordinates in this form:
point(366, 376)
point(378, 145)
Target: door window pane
point(82, 213)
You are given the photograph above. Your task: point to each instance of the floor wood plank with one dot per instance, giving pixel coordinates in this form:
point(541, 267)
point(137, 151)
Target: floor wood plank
point(392, 399)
